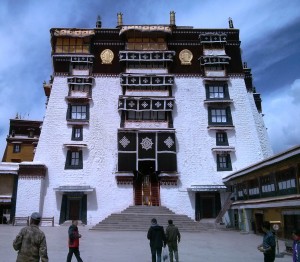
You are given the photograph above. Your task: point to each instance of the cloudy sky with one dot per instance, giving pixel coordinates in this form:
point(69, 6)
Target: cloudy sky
point(269, 33)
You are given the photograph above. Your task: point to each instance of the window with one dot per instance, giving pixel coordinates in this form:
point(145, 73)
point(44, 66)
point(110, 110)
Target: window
point(77, 133)
point(253, 188)
point(219, 116)
point(146, 44)
point(74, 160)
point(223, 162)
point(81, 67)
point(242, 191)
point(31, 133)
point(147, 115)
point(221, 139)
point(267, 185)
point(215, 67)
point(78, 112)
point(217, 91)
point(72, 45)
point(83, 88)
point(17, 148)
point(286, 181)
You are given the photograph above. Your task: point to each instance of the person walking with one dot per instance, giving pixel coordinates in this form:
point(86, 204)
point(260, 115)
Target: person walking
point(31, 242)
point(268, 246)
point(173, 238)
point(74, 242)
point(296, 245)
point(157, 237)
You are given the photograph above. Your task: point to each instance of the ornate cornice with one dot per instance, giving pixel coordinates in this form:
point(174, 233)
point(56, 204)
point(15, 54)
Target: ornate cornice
point(124, 180)
point(31, 170)
point(109, 43)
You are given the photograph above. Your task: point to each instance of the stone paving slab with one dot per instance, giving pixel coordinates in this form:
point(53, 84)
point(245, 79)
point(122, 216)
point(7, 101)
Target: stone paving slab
point(97, 246)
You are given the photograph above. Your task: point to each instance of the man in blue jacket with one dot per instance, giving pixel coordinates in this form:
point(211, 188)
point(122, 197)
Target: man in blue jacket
point(268, 246)
point(157, 237)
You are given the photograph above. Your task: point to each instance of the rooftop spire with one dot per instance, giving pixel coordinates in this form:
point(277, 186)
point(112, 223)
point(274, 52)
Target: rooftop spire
point(172, 18)
point(230, 22)
point(120, 19)
point(98, 23)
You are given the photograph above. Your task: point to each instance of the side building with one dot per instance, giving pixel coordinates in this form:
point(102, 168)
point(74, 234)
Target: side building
point(267, 191)
point(145, 115)
point(21, 143)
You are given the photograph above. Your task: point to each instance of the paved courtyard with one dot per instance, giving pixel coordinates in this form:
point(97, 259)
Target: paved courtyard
point(96, 246)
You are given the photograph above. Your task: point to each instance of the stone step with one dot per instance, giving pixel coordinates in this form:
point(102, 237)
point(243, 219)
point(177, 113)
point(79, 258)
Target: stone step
point(138, 218)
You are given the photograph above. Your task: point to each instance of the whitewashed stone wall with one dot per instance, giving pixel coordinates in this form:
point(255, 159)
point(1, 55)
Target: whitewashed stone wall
point(29, 196)
point(196, 161)
point(99, 158)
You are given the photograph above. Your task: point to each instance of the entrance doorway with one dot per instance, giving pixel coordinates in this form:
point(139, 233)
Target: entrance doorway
point(146, 186)
point(259, 218)
point(73, 207)
point(208, 205)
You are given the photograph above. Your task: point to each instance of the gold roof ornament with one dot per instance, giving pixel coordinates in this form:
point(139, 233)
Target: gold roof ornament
point(185, 57)
point(107, 56)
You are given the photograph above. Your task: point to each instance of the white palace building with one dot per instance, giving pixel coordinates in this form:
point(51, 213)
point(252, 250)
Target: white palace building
point(152, 115)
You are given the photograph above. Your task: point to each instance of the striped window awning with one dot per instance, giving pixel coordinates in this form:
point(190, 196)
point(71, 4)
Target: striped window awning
point(206, 188)
point(74, 189)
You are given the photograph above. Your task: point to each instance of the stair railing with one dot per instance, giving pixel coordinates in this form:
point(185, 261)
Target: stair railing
point(224, 209)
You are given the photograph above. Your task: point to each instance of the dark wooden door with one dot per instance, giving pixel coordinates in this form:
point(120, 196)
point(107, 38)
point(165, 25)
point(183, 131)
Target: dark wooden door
point(155, 193)
point(208, 207)
point(138, 193)
point(146, 191)
point(259, 218)
point(74, 209)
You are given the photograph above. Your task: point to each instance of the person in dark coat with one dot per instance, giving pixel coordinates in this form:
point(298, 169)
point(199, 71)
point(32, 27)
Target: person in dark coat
point(31, 242)
point(157, 237)
point(269, 244)
point(173, 238)
point(296, 245)
point(74, 242)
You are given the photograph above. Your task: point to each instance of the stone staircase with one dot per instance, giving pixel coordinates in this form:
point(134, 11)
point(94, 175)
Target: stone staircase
point(138, 218)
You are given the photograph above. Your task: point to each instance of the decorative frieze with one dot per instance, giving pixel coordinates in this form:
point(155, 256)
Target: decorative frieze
point(74, 58)
point(80, 80)
point(213, 38)
point(32, 170)
point(146, 124)
point(109, 43)
point(146, 104)
point(211, 60)
point(146, 56)
point(146, 80)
